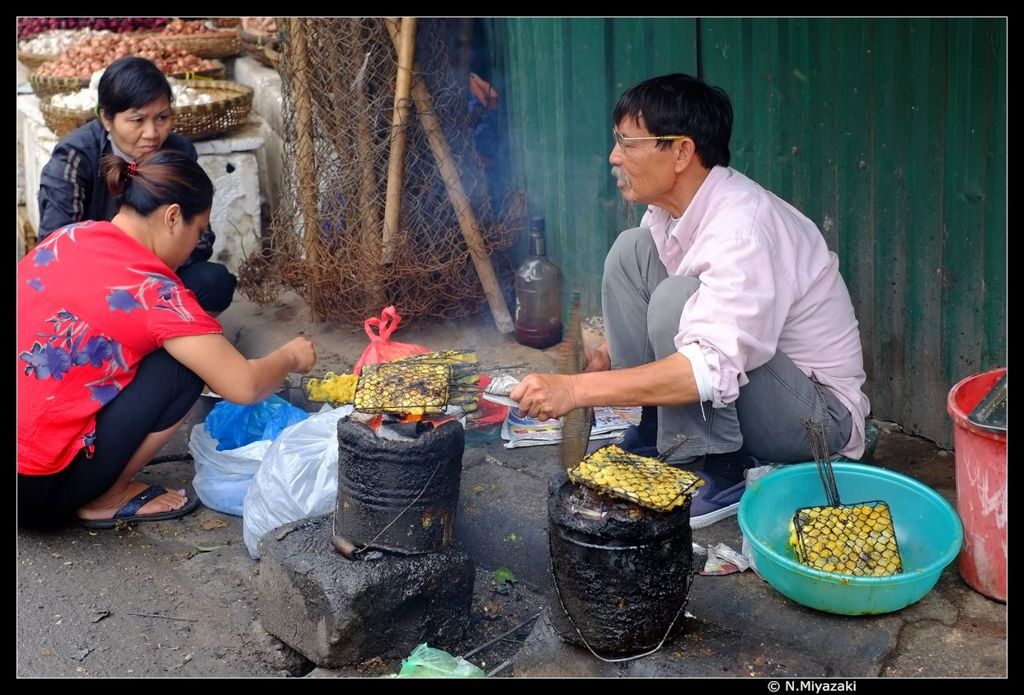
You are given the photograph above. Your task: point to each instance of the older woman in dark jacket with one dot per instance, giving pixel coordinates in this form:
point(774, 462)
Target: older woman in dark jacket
point(134, 119)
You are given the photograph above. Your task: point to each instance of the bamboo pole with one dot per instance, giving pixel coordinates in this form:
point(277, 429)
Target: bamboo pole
point(399, 118)
point(460, 201)
point(306, 164)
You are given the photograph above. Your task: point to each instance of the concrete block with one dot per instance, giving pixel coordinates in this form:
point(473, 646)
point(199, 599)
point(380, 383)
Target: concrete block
point(241, 139)
point(266, 86)
point(266, 102)
point(337, 611)
point(236, 205)
point(271, 164)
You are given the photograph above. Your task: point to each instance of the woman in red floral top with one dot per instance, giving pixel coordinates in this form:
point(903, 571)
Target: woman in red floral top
point(113, 350)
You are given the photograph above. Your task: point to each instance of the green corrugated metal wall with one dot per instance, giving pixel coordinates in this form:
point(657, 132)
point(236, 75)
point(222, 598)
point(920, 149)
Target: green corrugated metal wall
point(889, 134)
point(562, 80)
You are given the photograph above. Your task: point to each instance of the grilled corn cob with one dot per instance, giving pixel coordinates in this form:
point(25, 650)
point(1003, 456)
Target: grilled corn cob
point(333, 388)
point(857, 539)
point(416, 388)
point(645, 481)
point(462, 390)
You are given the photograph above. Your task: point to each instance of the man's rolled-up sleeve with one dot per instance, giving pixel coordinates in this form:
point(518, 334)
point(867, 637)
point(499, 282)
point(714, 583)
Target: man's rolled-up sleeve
point(736, 315)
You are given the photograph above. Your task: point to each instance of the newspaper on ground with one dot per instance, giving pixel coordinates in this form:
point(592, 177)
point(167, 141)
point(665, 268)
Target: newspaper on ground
point(521, 430)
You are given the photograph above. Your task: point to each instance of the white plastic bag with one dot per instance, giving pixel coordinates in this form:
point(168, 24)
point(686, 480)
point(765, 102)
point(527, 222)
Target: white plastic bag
point(298, 477)
point(223, 477)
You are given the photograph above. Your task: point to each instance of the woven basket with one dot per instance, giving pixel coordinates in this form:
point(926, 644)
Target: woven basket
point(33, 60)
point(63, 121)
point(231, 106)
point(258, 45)
point(48, 86)
point(220, 44)
point(215, 73)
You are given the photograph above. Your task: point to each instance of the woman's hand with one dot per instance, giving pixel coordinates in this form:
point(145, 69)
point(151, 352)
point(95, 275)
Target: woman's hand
point(303, 353)
point(240, 380)
point(545, 396)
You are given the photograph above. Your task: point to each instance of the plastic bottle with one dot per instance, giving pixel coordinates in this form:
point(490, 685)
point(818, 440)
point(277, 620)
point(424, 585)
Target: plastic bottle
point(538, 294)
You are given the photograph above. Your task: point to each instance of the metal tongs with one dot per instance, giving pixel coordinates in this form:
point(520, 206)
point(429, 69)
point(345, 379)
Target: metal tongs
point(497, 391)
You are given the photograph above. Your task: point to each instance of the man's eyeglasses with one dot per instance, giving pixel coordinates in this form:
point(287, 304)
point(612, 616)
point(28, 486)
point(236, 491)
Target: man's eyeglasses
point(624, 142)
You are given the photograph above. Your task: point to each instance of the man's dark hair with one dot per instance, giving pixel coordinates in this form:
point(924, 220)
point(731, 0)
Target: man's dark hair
point(681, 104)
point(129, 83)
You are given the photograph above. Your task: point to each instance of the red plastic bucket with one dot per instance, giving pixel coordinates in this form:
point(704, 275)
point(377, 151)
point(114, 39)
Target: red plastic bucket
point(980, 488)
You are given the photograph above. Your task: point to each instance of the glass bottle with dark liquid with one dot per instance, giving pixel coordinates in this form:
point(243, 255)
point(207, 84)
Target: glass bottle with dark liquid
point(538, 295)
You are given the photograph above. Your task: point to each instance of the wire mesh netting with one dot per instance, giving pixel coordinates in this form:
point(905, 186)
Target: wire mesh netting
point(329, 241)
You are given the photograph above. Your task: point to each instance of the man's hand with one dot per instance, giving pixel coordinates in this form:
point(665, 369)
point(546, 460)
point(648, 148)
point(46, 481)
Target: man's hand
point(545, 396)
point(598, 359)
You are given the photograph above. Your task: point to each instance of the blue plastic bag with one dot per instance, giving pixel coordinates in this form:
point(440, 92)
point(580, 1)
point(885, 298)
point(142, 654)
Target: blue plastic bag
point(237, 425)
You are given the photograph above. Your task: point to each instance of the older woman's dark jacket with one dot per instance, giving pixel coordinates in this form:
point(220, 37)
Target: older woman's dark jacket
point(71, 187)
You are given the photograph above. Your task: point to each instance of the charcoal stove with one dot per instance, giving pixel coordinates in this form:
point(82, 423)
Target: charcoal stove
point(398, 483)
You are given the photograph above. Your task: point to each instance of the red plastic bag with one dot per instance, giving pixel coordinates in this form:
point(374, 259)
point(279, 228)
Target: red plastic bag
point(489, 413)
point(381, 348)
